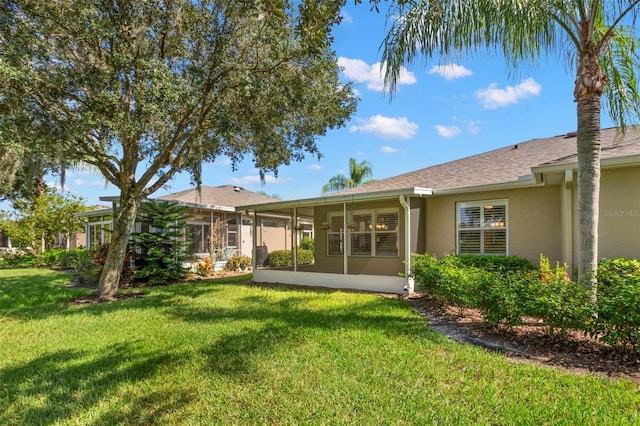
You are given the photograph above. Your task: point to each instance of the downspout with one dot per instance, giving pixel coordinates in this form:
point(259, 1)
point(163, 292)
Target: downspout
point(410, 287)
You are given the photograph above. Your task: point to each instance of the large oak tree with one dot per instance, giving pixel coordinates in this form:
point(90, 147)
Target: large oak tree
point(144, 89)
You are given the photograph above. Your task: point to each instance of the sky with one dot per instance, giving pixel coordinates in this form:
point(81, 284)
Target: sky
point(444, 109)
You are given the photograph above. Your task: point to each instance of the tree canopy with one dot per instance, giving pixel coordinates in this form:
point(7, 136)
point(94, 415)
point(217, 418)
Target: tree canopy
point(358, 172)
point(145, 89)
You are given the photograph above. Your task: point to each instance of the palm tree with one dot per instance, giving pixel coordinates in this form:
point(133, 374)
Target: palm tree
point(595, 36)
point(358, 172)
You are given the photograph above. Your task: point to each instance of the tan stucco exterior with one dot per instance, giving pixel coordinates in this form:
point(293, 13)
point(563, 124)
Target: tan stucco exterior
point(619, 228)
point(533, 222)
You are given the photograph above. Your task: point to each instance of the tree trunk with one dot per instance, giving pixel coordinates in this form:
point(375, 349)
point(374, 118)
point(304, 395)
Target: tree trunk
point(125, 218)
point(588, 92)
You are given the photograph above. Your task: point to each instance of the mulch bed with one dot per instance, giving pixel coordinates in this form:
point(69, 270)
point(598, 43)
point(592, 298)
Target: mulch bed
point(529, 342)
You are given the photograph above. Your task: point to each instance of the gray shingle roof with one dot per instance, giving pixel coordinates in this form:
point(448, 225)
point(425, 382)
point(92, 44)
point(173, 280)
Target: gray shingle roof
point(504, 165)
point(225, 195)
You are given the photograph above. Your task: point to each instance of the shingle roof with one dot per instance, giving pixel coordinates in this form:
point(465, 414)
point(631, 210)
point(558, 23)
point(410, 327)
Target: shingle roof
point(225, 195)
point(509, 164)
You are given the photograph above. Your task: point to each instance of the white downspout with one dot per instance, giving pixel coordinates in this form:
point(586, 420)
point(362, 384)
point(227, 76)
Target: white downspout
point(410, 287)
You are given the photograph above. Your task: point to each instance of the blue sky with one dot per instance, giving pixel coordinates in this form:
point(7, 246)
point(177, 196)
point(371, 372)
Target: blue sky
point(444, 109)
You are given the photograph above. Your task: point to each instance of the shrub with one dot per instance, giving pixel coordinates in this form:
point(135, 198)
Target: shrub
point(74, 258)
point(283, 258)
point(205, 268)
point(18, 258)
point(615, 271)
point(496, 263)
point(237, 261)
point(618, 311)
point(51, 257)
point(307, 244)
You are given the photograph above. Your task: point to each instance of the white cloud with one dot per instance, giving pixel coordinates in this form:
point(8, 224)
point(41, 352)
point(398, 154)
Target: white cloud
point(346, 18)
point(492, 97)
point(388, 149)
point(387, 127)
point(361, 72)
point(447, 131)
point(451, 71)
point(473, 126)
point(314, 167)
point(222, 161)
point(253, 179)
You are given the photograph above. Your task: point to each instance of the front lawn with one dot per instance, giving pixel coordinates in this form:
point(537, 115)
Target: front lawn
point(223, 352)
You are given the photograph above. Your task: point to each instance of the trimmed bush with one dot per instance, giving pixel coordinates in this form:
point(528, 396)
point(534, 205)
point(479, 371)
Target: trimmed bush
point(283, 258)
point(18, 258)
point(236, 262)
point(74, 258)
point(615, 271)
point(307, 244)
point(496, 263)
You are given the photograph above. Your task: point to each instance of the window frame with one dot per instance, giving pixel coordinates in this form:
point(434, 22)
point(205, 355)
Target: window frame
point(339, 233)
point(483, 228)
point(373, 232)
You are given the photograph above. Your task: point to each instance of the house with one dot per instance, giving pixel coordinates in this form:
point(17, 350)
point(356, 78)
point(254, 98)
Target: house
point(213, 208)
point(518, 200)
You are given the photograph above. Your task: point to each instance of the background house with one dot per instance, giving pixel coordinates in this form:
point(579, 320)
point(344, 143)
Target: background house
point(212, 208)
point(518, 200)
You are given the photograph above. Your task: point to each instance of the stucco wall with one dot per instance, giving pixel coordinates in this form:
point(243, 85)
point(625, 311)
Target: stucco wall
point(390, 266)
point(619, 227)
point(533, 221)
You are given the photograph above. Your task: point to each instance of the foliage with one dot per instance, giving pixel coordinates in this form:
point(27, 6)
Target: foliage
point(74, 258)
point(238, 261)
point(205, 268)
point(18, 258)
point(358, 172)
point(307, 243)
point(160, 252)
point(275, 355)
point(496, 263)
point(150, 88)
point(90, 270)
point(548, 294)
point(37, 223)
point(283, 258)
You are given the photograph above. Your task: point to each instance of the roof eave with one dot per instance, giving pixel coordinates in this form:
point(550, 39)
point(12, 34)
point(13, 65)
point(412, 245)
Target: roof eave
point(626, 160)
point(116, 198)
point(490, 187)
point(338, 199)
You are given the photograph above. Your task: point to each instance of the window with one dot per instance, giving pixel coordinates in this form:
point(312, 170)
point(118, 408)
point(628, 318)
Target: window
point(374, 232)
point(482, 227)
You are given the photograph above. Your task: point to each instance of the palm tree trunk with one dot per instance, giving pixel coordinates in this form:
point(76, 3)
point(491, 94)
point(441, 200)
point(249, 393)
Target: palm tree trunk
point(588, 92)
point(125, 218)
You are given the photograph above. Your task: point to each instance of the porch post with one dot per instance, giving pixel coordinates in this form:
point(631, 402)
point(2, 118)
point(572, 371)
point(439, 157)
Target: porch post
point(254, 242)
point(566, 214)
point(294, 245)
point(345, 260)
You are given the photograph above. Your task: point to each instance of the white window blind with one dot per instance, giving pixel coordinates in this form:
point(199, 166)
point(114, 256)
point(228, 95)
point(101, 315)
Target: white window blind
point(482, 227)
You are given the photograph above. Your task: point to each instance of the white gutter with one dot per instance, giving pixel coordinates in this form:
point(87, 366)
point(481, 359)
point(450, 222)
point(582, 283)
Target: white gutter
point(338, 199)
point(629, 160)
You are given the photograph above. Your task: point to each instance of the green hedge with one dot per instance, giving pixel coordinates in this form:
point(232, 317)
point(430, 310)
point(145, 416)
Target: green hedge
point(283, 258)
point(506, 291)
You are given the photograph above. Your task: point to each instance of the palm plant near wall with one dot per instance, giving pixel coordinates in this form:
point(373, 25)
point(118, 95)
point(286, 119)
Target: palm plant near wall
point(358, 172)
point(596, 37)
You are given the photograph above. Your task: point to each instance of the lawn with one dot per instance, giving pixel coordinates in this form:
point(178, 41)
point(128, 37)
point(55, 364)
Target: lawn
point(224, 352)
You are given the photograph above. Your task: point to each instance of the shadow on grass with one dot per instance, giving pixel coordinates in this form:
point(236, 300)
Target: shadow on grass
point(30, 294)
point(55, 386)
point(289, 321)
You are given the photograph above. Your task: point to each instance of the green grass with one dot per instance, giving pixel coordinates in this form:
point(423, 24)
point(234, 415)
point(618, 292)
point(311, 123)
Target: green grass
point(222, 352)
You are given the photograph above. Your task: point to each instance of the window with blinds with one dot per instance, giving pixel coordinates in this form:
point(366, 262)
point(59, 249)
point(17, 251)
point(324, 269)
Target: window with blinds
point(482, 227)
point(374, 232)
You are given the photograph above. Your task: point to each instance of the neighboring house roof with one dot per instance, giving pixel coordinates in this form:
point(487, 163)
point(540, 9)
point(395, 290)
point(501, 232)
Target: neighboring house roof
point(510, 164)
point(225, 195)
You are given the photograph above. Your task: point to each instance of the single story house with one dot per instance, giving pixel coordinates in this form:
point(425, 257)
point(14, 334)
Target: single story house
point(236, 229)
point(517, 200)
